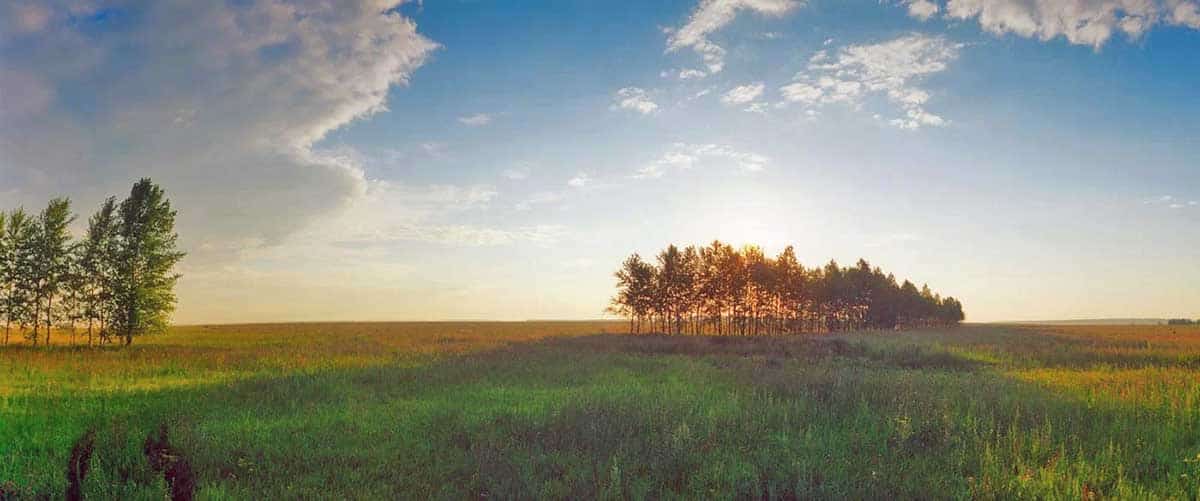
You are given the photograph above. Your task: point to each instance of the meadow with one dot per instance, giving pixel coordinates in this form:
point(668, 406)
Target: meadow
point(581, 410)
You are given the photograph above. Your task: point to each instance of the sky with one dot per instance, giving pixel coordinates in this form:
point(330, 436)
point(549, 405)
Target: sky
point(475, 159)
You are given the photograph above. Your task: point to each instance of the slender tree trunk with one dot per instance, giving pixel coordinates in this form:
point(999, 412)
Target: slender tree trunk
point(49, 318)
point(37, 319)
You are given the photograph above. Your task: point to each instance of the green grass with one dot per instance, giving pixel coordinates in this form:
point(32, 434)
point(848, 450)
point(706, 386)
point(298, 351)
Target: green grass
point(555, 410)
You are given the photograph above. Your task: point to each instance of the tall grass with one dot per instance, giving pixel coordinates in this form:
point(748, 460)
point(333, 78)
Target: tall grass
point(557, 410)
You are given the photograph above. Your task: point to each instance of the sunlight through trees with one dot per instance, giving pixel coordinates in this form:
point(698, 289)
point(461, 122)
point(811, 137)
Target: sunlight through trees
point(725, 291)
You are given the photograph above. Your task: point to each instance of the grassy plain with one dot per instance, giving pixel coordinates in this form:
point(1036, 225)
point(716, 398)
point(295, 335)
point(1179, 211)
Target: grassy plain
point(564, 410)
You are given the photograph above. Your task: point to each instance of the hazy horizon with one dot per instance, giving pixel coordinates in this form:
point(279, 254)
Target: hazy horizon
point(495, 161)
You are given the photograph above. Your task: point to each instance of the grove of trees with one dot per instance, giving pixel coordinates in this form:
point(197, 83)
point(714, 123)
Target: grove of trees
point(115, 283)
point(718, 289)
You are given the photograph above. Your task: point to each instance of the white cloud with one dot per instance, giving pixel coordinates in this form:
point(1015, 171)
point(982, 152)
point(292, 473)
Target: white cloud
point(892, 68)
point(1171, 202)
point(1080, 22)
point(683, 156)
point(802, 92)
point(635, 99)
point(476, 120)
point(743, 94)
point(922, 9)
point(712, 15)
point(1185, 14)
point(224, 116)
point(689, 74)
point(581, 179)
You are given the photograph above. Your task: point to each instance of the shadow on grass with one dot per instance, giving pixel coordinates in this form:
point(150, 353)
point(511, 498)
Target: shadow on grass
point(618, 416)
point(775, 349)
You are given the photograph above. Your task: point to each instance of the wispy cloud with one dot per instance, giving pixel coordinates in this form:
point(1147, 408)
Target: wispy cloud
point(476, 120)
point(892, 68)
point(634, 99)
point(712, 15)
point(1171, 202)
point(682, 156)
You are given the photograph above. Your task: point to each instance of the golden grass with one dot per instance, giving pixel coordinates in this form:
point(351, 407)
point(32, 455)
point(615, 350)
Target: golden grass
point(210, 354)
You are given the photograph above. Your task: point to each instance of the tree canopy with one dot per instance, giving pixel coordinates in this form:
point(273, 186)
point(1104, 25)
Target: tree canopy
point(717, 289)
point(117, 281)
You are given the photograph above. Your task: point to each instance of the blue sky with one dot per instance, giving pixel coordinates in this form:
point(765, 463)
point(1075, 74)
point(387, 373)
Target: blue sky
point(480, 159)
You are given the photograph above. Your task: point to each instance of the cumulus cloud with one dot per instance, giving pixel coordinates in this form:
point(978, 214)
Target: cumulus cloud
point(683, 156)
point(893, 68)
point(222, 105)
point(689, 74)
point(743, 94)
point(1080, 22)
point(712, 15)
point(476, 120)
point(634, 99)
point(922, 9)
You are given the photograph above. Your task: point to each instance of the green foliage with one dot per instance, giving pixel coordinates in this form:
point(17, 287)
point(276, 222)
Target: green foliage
point(97, 278)
point(51, 262)
point(17, 266)
point(146, 258)
point(118, 281)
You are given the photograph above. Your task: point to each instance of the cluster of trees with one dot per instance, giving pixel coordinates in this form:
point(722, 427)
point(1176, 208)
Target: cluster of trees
point(1182, 321)
point(117, 281)
point(718, 289)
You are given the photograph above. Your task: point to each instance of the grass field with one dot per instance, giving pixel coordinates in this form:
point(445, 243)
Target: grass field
point(564, 410)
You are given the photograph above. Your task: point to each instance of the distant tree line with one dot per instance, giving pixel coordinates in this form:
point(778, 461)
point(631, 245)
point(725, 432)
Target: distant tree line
point(1182, 321)
point(718, 289)
point(117, 282)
